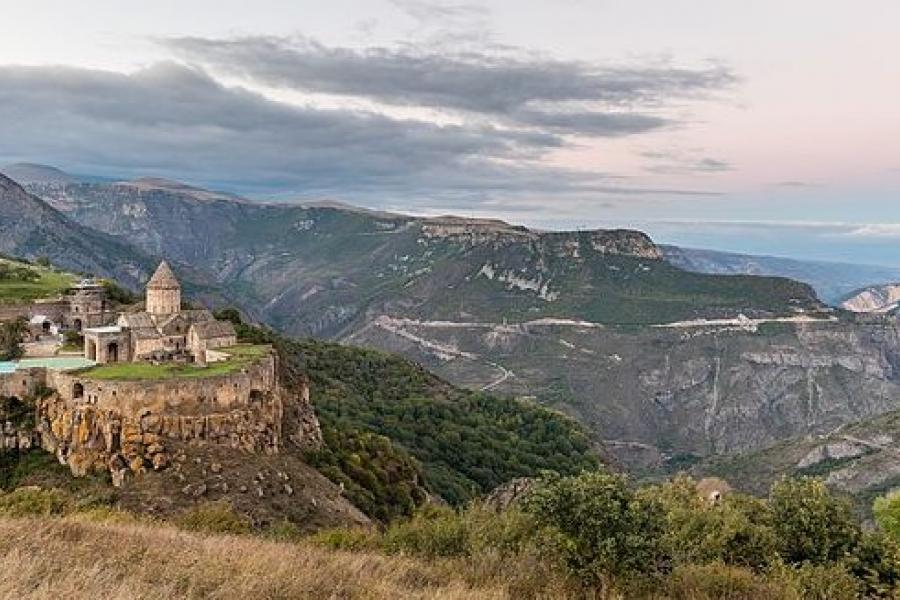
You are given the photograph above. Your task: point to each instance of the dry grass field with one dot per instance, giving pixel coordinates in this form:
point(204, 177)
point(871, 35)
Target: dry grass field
point(77, 557)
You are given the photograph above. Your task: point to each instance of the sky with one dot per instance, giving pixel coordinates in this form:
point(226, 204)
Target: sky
point(768, 127)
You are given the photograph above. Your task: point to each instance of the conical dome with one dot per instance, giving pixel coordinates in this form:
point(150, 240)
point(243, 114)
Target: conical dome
point(163, 279)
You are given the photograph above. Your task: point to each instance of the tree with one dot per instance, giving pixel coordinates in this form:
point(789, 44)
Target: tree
point(602, 527)
point(11, 335)
point(735, 530)
point(811, 525)
point(887, 514)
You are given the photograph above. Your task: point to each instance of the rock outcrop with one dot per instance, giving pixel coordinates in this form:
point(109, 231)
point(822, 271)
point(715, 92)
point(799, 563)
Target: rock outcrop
point(879, 299)
point(126, 427)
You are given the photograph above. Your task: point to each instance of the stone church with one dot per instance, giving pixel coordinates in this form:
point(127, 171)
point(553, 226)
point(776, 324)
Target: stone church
point(162, 332)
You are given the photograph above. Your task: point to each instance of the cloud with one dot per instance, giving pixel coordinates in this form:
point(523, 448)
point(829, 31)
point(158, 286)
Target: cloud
point(676, 162)
point(511, 87)
point(876, 231)
point(428, 12)
point(180, 122)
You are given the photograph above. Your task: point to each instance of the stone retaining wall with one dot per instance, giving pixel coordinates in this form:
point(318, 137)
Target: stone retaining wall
point(123, 426)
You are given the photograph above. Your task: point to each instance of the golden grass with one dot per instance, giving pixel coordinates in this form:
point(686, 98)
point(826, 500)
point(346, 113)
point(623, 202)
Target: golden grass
point(77, 557)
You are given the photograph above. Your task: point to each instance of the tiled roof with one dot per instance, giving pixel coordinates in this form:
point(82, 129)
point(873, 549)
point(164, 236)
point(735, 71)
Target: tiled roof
point(213, 329)
point(138, 320)
point(164, 278)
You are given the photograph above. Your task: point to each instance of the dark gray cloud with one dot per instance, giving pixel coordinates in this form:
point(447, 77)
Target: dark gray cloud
point(508, 86)
point(179, 122)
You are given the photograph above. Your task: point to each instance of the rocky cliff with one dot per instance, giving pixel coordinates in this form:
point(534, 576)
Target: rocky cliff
point(657, 396)
point(127, 427)
point(876, 299)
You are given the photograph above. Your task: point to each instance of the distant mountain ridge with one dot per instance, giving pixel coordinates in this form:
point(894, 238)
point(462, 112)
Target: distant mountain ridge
point(325, 270)
point(32, 173)
point(833, 282)
point(663, 364)
point(875, 299)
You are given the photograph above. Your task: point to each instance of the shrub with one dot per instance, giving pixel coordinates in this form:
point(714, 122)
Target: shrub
point(214, 517)
point(346, 538)
point(32, 501)
point(887, 514)
point(817, 582)
point(733, 531)
point(505, 533)
point(11, 335)
point(810, 524)
point(602, 526)
point(283, 531)
point(430, 533)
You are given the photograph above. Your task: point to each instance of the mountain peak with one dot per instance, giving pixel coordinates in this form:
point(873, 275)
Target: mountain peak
point(150, 184)
point(32, 173)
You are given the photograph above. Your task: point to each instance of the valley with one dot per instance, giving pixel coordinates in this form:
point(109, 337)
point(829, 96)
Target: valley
point(665, 367)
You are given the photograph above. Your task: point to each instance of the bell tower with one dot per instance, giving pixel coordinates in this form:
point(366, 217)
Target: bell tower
point(163, 292)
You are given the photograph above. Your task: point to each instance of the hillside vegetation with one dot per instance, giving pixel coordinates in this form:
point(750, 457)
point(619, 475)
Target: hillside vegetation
point(22, 282)
point(591, 536)
point(325, 271)
point(466, 442)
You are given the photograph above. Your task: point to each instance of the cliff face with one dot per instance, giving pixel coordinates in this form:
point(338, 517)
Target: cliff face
point(878, 299)
point(128, 427)
point(658, 395)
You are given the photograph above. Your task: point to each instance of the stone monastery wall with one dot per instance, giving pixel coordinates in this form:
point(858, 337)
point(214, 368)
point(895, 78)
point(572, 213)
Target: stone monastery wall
point(126, 427)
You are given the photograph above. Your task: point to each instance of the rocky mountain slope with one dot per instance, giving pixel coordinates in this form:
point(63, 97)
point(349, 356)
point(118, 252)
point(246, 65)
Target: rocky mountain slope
point(665, 365)
point(875, 299)
point(859, 458)
point(30, 228)
point(327, 271)
point(833, 282)
point(661, 396)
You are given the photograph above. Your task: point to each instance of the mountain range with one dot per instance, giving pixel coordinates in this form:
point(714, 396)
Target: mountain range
point(668, 355)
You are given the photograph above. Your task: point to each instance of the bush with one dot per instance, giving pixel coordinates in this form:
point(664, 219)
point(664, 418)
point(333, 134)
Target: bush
point(12, 333)
point(350, 539)
point(431, 533)
point(811, 525)
point(214, 517)
point(602, 526)
point(734, 531)
point(32, 501)
point(378, 477)
point(887, 514)
point(283, 531)
point(817, 582)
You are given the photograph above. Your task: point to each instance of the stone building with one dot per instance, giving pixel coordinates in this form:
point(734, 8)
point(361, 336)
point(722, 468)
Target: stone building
point(88, 306)
point(163, 332)
point(163, 292)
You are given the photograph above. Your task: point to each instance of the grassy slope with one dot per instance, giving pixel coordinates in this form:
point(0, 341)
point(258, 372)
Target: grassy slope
point(49, 283)
point(242, 354)
point(605, 289)
point(72, 558)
